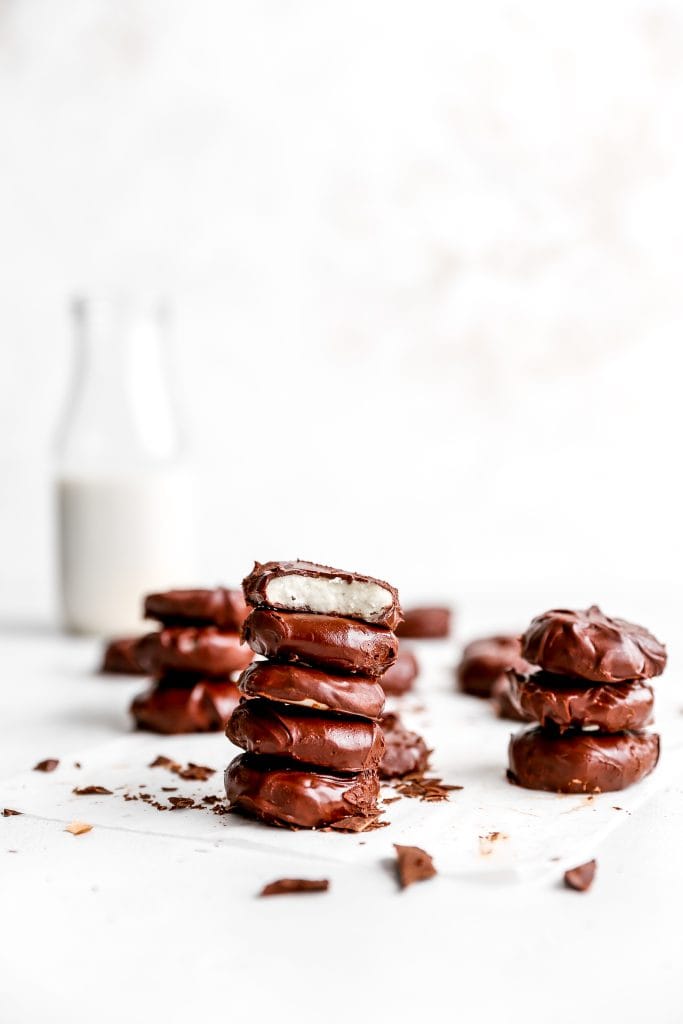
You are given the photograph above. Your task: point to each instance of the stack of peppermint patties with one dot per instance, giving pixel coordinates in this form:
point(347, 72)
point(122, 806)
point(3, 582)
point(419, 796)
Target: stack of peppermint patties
point(193, 658)
point(593, 700)
point(309, 716)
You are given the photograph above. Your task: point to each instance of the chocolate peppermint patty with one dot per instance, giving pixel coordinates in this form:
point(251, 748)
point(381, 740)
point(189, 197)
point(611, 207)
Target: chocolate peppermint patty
point(320, 589)
point(592, 646)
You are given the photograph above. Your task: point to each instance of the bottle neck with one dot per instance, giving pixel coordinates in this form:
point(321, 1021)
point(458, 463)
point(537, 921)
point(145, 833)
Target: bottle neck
point(120, 416)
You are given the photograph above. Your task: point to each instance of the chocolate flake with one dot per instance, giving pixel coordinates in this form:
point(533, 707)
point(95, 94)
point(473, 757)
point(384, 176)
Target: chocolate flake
point(92, 791)
point(78, 828)
point(581, 878)
point(8, 812)
point(169, 789)
point(48, 765)
point(285, 886)
point(419, 786)
point(413, 865)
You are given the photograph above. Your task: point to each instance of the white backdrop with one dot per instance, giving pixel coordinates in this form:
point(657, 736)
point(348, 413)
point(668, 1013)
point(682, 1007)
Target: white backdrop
point(425, 261)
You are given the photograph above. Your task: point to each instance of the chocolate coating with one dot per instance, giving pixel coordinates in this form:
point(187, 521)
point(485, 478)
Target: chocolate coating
point(486, 660)
point(400, 676)
point(310, 737)
point(120, 657)
point(218, 607)
point(313, 687)
point(279, 792)
point(581, 762)
point(405, 751)
point(204, 706)
point(425, 623)
point(590, 645)
point(557, 700)
point(503, 702)
point(341, 645)
point(256, 583)
point(201, 650)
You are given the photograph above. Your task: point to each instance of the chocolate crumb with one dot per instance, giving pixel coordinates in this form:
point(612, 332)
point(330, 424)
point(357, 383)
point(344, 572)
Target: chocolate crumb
point(180, 802)
point(581, 878)
point(413, 865)
point(48, 765)
point(169, 789)
point(77, 764)
point(165, 762)
point(487, 842)
point(8, 812)
point(92, 791)
point(285, 886)
point(198, 772)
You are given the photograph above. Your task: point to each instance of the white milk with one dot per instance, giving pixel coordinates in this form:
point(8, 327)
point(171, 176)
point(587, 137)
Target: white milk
point(119, 538)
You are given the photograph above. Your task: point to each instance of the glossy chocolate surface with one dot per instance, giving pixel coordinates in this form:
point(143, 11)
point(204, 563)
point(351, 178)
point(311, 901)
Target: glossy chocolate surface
point(485, 661)
point(221, 607)
point(557, 700)
point(120, 657)
point(200, 650)
point(432, 623)
point(279, 792)
point(581, 762)
point(255, 585)
point(328, 641)
point(400, 676)
point(204, 706)
point(313, 687)
point(311, 737)
point(405, 751)
point(590, 645)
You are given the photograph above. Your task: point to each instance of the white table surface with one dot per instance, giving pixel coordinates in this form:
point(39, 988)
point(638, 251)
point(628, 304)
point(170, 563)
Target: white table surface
point(115, 926)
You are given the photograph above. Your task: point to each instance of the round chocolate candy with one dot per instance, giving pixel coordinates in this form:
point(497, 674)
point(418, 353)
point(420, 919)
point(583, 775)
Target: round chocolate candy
point(346, 744)
point(331, 642)
point(432, 623)
point(120, 657)
point(559, 701)
point(405, 751)
point(199, 650)
point(219, 607)
point(504, 704)
point(581, 762)
point(281, 793)
point(399, 677)
point(313, 687)
point(203, 706)
point(589, 645)
point(485, 661)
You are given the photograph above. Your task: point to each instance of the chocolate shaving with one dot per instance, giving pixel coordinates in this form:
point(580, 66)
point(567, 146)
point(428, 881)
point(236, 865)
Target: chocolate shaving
point(285, 886)
point(8, 812)
point(169, 789)
point(581, 878)
point(413, 865)
point(48, 765)
point(419, 786)
point(356, 823)
point(92, 791)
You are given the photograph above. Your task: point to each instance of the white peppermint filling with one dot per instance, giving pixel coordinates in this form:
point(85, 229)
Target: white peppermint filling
point(328, 596)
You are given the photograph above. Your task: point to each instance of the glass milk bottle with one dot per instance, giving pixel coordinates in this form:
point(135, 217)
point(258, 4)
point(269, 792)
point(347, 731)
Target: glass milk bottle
point(123, 493)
